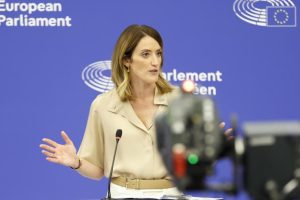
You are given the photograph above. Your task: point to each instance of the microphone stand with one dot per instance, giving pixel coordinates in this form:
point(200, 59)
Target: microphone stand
point(118, 136)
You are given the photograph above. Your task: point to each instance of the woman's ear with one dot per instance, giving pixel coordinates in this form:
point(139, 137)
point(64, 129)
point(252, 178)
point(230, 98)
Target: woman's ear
point(126, 62)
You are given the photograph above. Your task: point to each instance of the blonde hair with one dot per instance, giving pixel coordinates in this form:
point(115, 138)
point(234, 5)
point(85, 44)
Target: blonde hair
point(124, 48)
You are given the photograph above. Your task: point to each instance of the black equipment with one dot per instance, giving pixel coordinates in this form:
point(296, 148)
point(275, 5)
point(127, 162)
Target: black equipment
point(272, 160)
point(190, 141)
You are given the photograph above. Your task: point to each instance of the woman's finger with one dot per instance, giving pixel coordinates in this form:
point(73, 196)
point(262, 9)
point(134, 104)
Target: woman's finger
point(51, 142)
point(54, 160)
point(230, 137)
point(228, 132)
point(48, 154)
point(47, 147)
point(66, 138)
point(222, 125)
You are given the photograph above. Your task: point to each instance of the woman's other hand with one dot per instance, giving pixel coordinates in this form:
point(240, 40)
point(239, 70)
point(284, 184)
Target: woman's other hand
point(227, 132)
point(64, 154)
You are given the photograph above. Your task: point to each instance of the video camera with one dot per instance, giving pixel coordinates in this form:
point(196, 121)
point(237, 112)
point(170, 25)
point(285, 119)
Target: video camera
point(190, 142)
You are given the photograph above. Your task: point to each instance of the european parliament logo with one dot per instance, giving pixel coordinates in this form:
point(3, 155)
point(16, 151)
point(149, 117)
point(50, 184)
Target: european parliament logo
point(268, 13)
point(97, 76)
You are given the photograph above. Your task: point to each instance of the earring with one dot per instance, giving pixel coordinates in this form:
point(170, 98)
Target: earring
point(127, 68)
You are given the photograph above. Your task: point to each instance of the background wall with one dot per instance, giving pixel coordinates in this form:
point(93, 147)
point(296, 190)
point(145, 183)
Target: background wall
point(42, 91)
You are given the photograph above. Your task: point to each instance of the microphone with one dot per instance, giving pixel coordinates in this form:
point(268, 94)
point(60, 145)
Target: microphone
point(118, 137)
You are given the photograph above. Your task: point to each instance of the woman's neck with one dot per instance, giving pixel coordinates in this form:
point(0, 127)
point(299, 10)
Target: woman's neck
point(143, 91)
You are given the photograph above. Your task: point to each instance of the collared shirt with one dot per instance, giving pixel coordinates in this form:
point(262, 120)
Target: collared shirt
point(137, 155)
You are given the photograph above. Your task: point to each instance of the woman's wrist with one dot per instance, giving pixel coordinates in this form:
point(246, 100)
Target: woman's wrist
point(77, 165)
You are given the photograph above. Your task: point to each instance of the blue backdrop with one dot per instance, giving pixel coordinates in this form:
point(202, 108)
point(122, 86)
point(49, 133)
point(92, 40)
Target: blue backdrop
point(42, 91)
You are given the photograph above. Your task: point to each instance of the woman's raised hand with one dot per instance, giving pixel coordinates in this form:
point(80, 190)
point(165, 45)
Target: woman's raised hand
point(64, 154)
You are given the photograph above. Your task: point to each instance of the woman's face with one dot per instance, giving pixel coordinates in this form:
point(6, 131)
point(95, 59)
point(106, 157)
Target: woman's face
point(145, 61)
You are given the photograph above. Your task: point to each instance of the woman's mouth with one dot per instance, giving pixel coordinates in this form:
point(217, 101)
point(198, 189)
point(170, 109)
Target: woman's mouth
point(153, 70)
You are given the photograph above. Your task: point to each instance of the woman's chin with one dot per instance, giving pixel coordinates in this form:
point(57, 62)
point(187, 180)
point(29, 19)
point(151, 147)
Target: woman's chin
point(147, 80)
point(152, 80)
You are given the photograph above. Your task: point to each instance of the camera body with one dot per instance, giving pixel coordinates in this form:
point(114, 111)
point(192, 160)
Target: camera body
point(190, 141)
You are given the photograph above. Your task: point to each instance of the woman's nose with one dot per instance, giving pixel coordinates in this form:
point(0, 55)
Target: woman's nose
point(155, 60)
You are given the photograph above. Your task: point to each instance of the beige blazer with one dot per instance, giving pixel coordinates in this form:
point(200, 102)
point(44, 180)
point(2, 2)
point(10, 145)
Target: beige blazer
point(137, 155)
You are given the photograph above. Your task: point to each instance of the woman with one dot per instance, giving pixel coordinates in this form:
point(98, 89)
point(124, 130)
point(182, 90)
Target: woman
point(141, 92)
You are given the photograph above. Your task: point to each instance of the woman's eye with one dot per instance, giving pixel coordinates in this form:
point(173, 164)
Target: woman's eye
point(159, 53)
point(145, 54)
